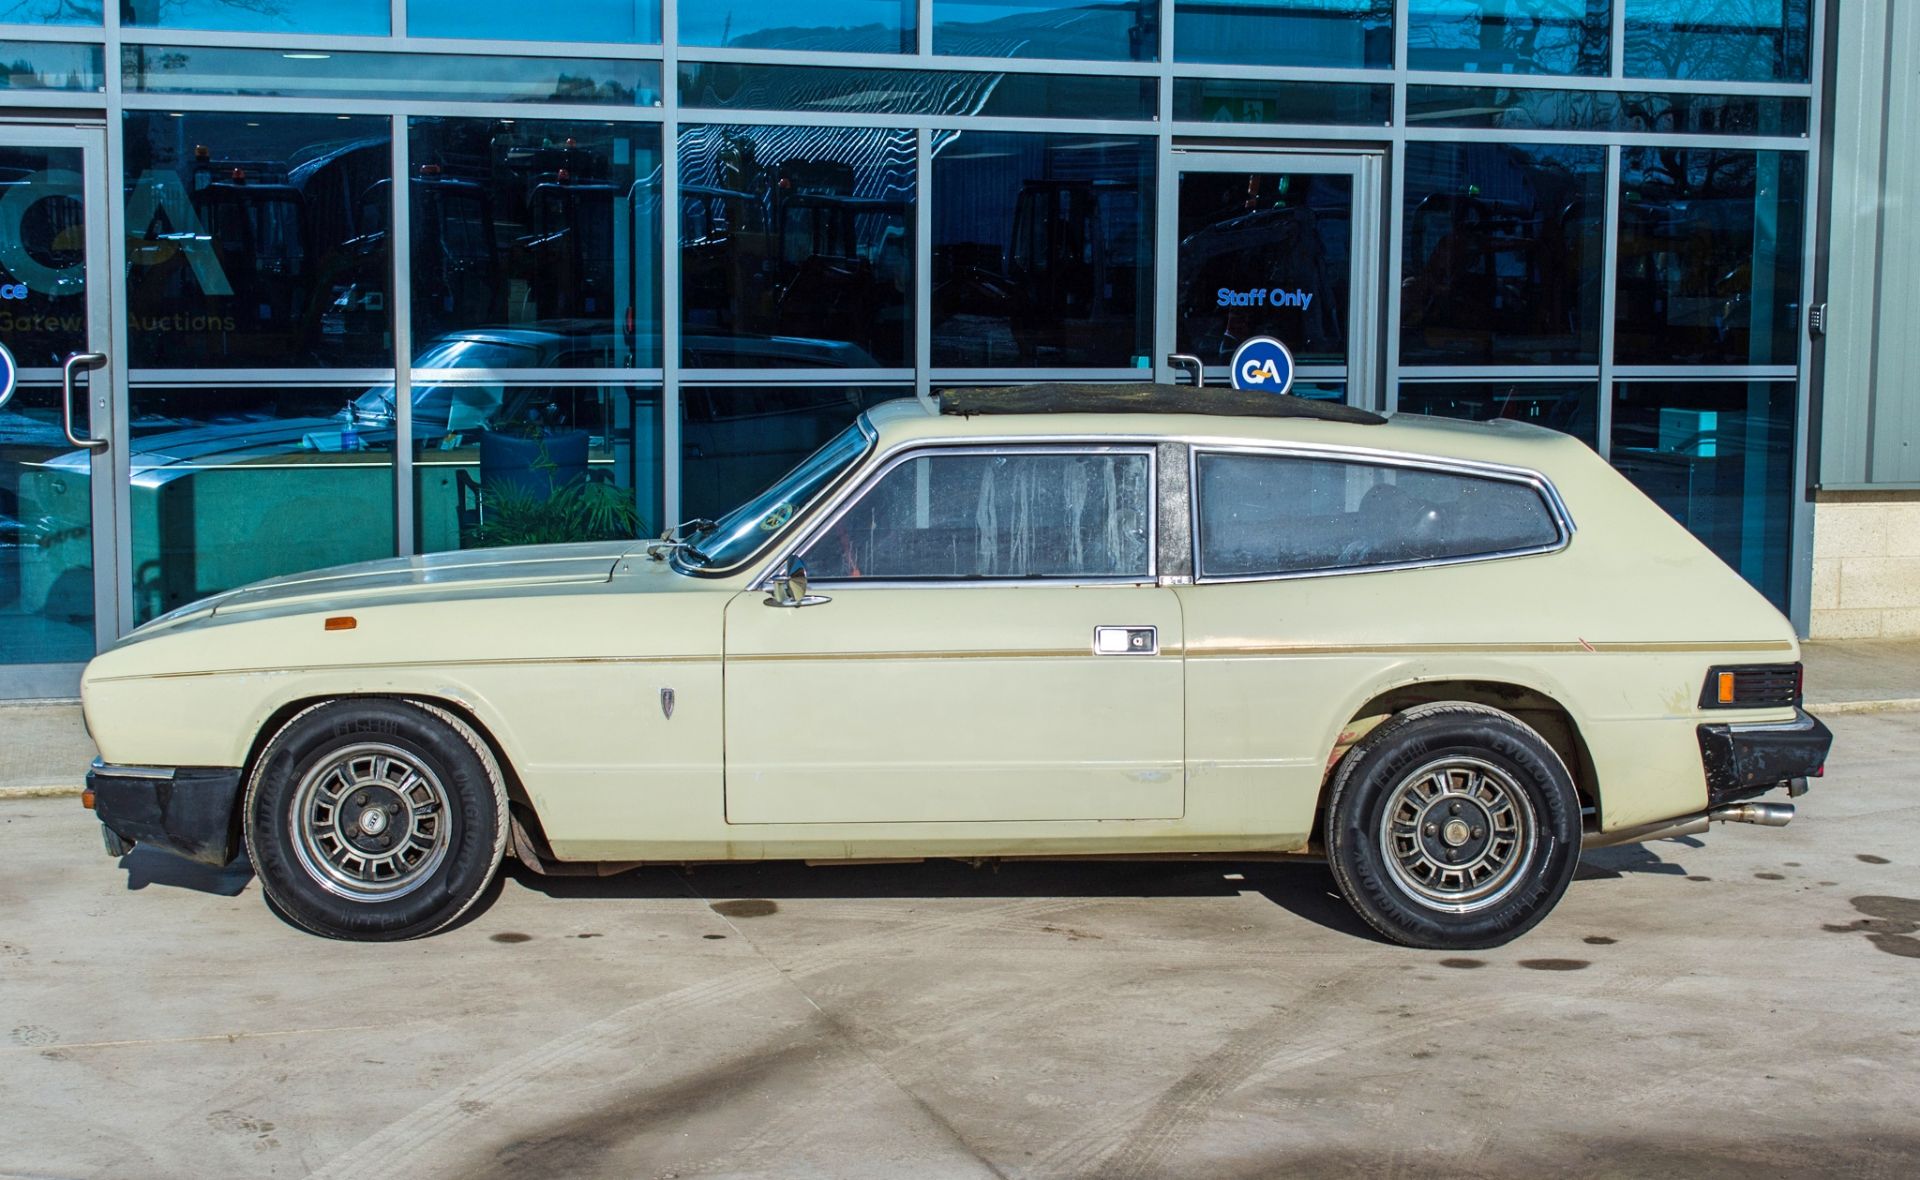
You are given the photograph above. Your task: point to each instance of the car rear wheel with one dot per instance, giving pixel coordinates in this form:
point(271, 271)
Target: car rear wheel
point(375, 819)
point(1453, 826)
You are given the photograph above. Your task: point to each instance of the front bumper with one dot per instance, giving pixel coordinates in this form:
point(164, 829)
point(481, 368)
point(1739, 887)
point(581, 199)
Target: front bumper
point(1743, 761)
point(189, 811)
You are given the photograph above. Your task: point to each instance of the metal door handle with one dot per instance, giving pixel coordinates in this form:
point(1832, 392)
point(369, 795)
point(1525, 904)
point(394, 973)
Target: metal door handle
point(1126, 641)
point(1180, 360)
point(78, 361)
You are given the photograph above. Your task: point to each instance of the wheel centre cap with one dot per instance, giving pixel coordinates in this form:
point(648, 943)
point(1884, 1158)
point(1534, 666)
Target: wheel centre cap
point(373, 821)
point(1456, 832)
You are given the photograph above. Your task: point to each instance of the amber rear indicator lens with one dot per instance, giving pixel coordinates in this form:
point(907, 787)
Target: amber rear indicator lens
point(86, 798)
point(1725, 688)
point(342, 623)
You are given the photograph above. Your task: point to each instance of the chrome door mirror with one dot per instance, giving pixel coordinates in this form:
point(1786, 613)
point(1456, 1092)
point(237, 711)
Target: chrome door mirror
point(789, 586)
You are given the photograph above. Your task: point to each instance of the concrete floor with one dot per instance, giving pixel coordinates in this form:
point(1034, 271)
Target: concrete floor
point(1741, 1007)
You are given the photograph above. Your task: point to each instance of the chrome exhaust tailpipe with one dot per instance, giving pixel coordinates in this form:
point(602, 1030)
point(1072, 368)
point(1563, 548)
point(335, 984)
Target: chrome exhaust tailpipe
point(1771, 815)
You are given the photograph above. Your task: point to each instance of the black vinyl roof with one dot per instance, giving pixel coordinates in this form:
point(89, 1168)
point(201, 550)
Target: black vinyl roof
point(1139, 397)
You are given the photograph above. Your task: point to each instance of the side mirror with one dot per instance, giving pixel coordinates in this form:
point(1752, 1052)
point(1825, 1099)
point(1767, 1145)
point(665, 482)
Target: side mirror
point(789, 587)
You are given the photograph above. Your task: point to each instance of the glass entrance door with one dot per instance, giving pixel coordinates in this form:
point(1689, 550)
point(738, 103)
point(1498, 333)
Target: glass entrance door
point(1274, 244)
point(56, 492)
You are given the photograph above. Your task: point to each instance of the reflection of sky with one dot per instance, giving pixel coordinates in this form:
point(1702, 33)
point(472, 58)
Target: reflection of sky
point(571, 20)
point(727, 22)
point(279, 16)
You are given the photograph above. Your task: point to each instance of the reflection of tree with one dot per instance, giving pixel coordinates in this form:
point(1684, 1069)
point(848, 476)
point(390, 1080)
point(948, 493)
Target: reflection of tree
point(152, 12)
point(1518, 31)
point(65, 12)
point(1667, 44)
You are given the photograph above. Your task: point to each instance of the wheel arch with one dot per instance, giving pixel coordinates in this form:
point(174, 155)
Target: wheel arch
point(1528, 703)
point(282, 714)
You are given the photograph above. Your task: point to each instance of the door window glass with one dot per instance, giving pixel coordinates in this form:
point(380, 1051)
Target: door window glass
point(43, 262)
point(989, 516)
point(46, 532)
point(1262, 515)
point(1265, 254)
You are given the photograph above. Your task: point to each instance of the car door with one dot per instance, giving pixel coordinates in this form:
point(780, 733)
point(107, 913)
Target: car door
point(984, 641)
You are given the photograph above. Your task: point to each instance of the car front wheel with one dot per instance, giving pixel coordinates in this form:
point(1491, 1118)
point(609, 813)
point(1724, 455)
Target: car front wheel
point(375, 819)
point(1453, 826)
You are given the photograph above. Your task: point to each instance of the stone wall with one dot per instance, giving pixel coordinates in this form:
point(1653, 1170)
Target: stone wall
point(1866, 566)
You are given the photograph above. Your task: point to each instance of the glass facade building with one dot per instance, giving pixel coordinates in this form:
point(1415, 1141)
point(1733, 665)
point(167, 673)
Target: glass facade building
point(376, 277)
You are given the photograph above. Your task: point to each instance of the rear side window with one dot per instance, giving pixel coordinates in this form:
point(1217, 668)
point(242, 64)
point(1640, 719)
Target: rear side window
point(1264, 515)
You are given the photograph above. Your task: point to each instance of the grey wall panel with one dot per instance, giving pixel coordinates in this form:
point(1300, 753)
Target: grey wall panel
point(1870, 412)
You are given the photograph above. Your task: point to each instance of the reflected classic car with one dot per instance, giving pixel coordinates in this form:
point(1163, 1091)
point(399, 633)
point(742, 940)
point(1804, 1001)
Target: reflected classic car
point(1043, 622)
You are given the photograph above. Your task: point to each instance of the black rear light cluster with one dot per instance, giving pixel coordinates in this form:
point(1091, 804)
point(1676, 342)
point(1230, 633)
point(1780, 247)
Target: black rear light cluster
point(1753, 686)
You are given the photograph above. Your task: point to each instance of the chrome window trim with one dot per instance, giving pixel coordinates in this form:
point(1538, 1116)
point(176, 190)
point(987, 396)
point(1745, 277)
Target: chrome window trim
point(915, 448)
point(1563, 523)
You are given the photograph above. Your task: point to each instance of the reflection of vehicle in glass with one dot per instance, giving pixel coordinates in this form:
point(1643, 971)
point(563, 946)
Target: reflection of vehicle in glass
point(220, 503)
point(960, 635)
point(456, 266)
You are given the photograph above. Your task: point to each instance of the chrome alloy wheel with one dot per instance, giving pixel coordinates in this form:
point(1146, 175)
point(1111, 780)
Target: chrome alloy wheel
point(370, 822)
point(1456, 833)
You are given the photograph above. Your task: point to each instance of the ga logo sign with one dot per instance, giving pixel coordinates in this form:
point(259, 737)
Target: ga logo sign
point(1262, 363)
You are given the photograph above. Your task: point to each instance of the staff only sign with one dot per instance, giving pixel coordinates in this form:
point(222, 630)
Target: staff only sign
point(1262, 363)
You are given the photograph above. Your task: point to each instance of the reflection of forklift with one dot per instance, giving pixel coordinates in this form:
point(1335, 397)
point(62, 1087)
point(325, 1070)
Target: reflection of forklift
point(288, 250)
point(803, 258)
point(1073, 257)
point(455, 264)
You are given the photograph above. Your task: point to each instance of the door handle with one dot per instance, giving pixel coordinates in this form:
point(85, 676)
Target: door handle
point(1126, 641)
point(75, 363)
point(1191, 364)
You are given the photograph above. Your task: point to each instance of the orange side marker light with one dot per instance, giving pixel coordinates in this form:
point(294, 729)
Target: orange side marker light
point(1725, 688)
point(86, 798)
point(342, 623)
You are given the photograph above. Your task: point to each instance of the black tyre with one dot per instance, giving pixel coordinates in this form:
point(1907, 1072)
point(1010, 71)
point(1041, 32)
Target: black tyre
point(1453, 826)
point(375, 819)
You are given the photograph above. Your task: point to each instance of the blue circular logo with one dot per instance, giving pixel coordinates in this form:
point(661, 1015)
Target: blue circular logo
point(1262, 363)
point(9, 372)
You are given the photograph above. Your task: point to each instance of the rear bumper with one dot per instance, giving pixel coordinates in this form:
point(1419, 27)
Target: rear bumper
point(1743, 761)
point(189, 811)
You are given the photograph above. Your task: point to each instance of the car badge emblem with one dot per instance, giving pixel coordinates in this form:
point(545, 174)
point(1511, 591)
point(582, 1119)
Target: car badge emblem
point(666, 702)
